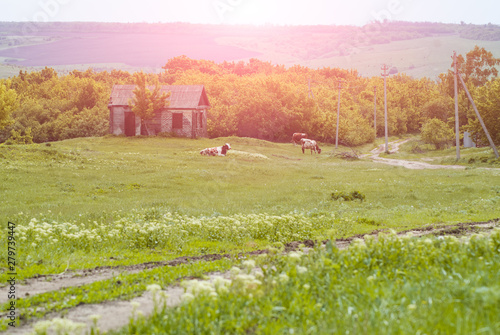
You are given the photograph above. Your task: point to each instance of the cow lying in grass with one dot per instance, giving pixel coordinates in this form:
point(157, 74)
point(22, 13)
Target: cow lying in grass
point(296, 137)
point(216, 151)
point(310, 144)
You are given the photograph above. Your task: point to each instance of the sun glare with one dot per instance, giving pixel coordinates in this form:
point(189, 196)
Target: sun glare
point(255, 12)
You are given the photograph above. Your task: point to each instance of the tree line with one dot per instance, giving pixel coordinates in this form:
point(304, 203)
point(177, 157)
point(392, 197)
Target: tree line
point(257, 99)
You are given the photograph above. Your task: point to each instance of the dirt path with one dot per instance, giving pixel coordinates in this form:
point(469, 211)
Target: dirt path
point(47, 283)
point(116, 314)
point(394, 147)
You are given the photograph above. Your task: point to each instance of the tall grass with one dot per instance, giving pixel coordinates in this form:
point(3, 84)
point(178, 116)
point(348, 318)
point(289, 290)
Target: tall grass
point(388, 286)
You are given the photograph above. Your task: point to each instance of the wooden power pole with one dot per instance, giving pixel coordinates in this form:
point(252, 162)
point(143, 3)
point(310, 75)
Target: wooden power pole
point(385, 74)
point(375, 110)
point(457, 125)
point(492, 144)
point(338, 118)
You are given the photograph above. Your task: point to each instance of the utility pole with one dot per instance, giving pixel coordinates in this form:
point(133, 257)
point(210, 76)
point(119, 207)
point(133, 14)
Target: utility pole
point(492, 144)
point(457, 126)
point(375, 110)
point(310, 91)
point(385, 74)
point(338, 118)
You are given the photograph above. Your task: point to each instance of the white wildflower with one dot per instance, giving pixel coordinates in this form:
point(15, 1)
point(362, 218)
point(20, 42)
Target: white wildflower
point(249, 264)
point(187, 297)
point(153, 288)
point(301, 269)
point(283, 278)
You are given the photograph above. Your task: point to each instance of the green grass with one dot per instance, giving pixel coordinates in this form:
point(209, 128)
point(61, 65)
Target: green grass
point(93, 183)
point(112, 201)
point(88, 179)
point(394, 285)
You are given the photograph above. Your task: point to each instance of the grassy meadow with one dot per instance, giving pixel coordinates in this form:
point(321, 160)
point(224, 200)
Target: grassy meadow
point(117, 201)
point(110, 201)
point(103, 179)
point(88, 179)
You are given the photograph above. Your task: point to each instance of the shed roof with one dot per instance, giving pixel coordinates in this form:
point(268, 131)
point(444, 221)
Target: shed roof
point(182, 96)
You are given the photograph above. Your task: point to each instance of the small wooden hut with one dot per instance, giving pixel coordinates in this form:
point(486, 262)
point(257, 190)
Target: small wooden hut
point(185, 115)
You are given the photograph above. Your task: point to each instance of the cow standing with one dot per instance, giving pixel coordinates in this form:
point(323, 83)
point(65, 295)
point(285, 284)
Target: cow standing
point(310, 144)
point(216, 151)
point(296, 137)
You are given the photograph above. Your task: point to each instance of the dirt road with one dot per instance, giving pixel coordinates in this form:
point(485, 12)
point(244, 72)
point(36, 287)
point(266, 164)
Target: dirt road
point(416, 165)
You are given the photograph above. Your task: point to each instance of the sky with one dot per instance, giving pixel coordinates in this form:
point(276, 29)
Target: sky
point(257, 12)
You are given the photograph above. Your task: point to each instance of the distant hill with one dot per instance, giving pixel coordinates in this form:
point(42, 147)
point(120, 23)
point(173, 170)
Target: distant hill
point(418, 49)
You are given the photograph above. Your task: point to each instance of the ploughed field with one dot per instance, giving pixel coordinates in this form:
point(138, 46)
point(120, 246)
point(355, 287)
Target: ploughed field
point(265, 240)
point(137, 50)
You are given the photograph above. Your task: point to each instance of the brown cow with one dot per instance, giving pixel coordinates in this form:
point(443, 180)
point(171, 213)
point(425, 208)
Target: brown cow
point(310, 144)
point(296, 137)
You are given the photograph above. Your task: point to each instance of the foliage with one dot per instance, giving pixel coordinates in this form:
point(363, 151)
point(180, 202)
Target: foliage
point(487, 32)
point(8, 103)
point(487, 103)
point(478, 67)
point(17, 138)
point(57, 108)
point(354, 195)
point(249, 99)
point(437, 132)
point(146, 102)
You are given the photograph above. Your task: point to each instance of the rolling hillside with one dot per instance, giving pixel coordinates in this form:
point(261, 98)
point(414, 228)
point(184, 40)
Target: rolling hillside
point(418, 49)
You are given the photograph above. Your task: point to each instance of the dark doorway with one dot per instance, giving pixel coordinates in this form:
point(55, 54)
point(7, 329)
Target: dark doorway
point(129, 124)
point(176, 120)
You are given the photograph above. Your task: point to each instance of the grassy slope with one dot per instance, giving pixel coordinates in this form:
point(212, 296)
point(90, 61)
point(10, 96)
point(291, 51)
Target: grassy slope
point(423, 57)
point(87, 178)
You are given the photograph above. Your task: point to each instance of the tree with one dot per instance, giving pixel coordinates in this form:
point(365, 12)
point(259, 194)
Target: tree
point(88, 96)
point(488, 100)
point(436, 132)
point(8, 103)
point(146, 101)
point(479, 66)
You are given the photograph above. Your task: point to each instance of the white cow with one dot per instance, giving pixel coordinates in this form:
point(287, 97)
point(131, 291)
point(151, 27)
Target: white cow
point(310, 144)
point(216, 151)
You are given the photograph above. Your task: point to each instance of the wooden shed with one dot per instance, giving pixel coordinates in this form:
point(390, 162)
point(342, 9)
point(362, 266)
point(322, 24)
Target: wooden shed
point(185, 115)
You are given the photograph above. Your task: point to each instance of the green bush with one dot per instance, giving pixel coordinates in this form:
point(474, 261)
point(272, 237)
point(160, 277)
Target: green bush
point(437, 132)
point(355, 195)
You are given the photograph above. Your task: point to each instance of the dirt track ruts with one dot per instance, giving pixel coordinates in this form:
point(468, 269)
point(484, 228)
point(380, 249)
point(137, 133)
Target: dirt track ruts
point(116, 314)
